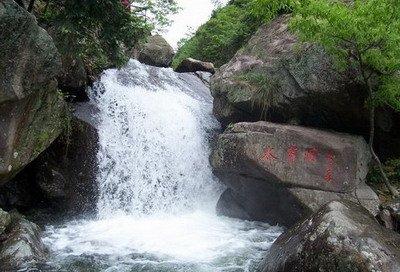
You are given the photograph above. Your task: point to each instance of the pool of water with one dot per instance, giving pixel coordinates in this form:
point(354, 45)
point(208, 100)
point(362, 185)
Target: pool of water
point(193, 242)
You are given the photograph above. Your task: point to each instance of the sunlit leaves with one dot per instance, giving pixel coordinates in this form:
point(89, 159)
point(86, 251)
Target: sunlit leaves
point(99, 30)
point(363, 33)
point(229, 28)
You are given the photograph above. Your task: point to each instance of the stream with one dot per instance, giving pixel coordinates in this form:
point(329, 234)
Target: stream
point(157, 193)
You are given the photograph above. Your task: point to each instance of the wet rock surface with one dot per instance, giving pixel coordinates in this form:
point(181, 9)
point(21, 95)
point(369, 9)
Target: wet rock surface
point(31, 109)
point(21, 246)
point(63, 177)
point(280, 173)
point(341, 236)
point(5, 220)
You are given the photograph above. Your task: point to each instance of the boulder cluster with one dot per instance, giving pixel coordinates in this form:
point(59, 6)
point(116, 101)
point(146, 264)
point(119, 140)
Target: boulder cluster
point(294, 153)
point(47, 153)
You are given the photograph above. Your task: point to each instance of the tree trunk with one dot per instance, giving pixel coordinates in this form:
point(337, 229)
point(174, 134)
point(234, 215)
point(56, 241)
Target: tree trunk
point(378, 162)
point(31, 5)
point(20, 3)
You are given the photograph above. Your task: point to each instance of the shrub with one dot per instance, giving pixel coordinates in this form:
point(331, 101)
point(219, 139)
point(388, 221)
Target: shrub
point(99, 31)
point(229, 29)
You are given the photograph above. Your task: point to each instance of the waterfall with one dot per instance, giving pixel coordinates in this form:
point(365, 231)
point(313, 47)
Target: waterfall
point(157, 193)
point(154, 143)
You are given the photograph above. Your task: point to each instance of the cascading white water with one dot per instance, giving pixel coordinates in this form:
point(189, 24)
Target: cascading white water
point(154, 142)
point(156, 209)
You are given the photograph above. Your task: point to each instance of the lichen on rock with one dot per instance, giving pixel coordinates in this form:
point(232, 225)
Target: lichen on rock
point(32, 111)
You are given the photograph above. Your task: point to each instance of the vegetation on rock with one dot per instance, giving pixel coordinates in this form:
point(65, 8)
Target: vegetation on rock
point(362, 36)
point(228, 30)
point(99, 32)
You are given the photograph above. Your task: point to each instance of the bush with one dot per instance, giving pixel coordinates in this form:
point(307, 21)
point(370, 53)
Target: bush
point(100, 31)
point(229, 29)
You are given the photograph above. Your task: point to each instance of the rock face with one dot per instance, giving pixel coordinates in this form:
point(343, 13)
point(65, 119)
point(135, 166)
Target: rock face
point(277, 79)
point(29, 59)
point(66, 173)
point(190, 65)
point(21, 247)
point(390, 215)
point(31, 109)
point(155, 52)
point(340, 237)
point(64, 176)
point(280, 173)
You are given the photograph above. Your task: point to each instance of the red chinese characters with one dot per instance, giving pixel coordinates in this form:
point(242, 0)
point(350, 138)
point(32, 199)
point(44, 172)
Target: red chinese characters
point(310, 155)
point(329, 167)
point(269, 154)
point(292, 153)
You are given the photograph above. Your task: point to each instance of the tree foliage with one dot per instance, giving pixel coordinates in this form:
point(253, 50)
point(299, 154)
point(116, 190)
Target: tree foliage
point(266, 10)
point(98, 31)
point(364, 36)
point(229, 29)
point(219, 39)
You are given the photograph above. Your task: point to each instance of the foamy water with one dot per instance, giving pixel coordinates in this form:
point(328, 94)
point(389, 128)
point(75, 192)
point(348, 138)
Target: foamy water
point(193, 242)
point(156, 209)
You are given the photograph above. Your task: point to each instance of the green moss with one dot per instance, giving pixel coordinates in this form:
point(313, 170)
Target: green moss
point(40, 127)
point(263, 89)
point(229, 29)
point(221, 37)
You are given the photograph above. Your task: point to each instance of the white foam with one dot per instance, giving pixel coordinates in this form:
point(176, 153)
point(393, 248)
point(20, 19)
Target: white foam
point(193, 237)
point(157, 192)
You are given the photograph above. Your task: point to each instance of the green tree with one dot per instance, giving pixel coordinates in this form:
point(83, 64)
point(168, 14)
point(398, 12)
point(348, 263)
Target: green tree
point(156, 12)
point(364, 36)
point(219, 39)
point(229, 28)
point(266, 10)
point(101, 31)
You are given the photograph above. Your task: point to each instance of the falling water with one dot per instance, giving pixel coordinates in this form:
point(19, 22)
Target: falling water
point(156, 208)
point(154, 142)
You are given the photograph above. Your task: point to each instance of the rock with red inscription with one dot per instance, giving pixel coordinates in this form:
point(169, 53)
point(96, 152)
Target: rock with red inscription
point(279, 173)
point(276, 78)
point(340, 237)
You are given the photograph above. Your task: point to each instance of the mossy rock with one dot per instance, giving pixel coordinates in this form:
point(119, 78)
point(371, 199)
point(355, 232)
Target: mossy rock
point(32, 111)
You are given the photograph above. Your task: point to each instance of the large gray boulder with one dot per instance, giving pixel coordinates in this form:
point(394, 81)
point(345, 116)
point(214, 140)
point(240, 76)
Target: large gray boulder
point(280, 173)
point(31, 109)
point(66, 173)
point(156, 51)
point(22, 246)
point(29, 59)
point(276, 78)
point(63, 177)
point(340, 237)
